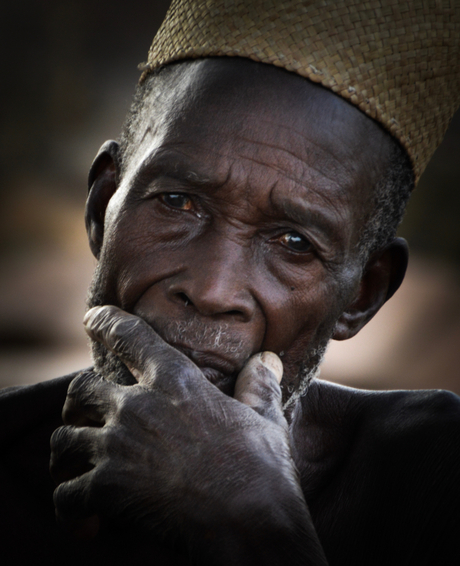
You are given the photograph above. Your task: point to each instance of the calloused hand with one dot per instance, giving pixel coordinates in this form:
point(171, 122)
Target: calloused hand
point(177, 457)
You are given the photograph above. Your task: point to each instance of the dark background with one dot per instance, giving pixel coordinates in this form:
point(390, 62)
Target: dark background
point(68, 72)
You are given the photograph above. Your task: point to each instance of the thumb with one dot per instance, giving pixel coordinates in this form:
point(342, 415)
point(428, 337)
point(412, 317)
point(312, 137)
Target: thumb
point(257, 386)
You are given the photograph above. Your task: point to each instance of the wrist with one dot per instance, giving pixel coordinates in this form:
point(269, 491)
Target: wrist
point(273, 529)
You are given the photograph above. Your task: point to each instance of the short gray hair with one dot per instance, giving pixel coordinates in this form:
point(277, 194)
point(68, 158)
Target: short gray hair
point(390, 197)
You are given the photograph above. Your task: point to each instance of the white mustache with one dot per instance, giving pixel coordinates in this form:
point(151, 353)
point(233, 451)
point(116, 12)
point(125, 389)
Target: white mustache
point(195, 334)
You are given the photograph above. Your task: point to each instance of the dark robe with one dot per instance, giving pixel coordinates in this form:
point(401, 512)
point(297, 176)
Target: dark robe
point(393, 497)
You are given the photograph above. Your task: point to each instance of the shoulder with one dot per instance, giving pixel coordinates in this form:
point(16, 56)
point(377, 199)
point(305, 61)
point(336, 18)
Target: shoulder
point(394, 473)
point(384, 413)
point(422, 419)
point(410, 423)
point(407, 442)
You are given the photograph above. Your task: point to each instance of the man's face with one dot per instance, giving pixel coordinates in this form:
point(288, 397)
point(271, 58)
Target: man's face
point(235, 224)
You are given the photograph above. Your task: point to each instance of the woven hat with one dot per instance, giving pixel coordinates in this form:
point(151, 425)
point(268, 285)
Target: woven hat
point(398, 61)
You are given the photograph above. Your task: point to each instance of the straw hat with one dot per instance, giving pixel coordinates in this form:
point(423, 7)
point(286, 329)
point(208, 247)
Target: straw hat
point(398, 61)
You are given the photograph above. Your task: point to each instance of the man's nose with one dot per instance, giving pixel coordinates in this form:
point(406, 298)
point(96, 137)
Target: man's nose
point(217, 280)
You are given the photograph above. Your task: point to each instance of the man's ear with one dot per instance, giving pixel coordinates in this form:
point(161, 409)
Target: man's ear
point(382, 276)
point(102, 184)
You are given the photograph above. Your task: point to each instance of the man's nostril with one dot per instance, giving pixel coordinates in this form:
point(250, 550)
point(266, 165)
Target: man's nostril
point(183, 297)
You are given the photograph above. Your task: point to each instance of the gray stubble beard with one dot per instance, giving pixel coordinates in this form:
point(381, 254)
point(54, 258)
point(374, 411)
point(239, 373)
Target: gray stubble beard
point(108, 364)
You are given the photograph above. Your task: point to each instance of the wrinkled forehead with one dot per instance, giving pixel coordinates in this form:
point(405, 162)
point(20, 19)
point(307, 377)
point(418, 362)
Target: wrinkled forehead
point(213, 103)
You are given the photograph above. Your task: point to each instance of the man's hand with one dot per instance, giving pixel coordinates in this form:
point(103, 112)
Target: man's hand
point(177, 457)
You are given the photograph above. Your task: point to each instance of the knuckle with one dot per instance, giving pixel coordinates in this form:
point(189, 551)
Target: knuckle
point(118, 328)
point(124, 333)
point(70, 454)
point(134, 407)
point(59, 438)
point(110, 324)
point(75, 498)
point(103, 317)
point(69, 501)
point(59, 497)
point(65, 498)
point(180, 373)
point(57, 441)
point(83, 391)
point(100, 489)
point(81, 384)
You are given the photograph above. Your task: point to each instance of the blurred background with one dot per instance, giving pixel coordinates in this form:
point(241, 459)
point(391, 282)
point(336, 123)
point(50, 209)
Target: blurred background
point(69, 69)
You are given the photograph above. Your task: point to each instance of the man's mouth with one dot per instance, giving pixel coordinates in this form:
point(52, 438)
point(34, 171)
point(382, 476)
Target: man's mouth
point(219, 352)
point(217, 370)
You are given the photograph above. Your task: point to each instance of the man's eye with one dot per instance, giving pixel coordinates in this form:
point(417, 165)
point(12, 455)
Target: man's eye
point(295, 242)
point(177, 200)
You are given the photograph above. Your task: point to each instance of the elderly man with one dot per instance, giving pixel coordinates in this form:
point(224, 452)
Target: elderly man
point(247, 217)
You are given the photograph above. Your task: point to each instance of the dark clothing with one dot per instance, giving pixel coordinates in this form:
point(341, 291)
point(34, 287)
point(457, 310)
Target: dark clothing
point(382, 506)
point(29, 534)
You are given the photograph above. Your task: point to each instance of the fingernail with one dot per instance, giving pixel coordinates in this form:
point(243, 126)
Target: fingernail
point(273, 363)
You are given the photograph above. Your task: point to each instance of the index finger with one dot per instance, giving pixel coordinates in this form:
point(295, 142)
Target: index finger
point(148, 357)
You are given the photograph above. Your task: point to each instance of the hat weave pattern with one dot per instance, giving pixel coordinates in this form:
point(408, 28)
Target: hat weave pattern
point(398, 61)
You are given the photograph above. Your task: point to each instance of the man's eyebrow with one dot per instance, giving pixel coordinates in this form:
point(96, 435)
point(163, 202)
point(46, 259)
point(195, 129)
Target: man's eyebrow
point(308, 216)
point(172, 165)
point(168, 166)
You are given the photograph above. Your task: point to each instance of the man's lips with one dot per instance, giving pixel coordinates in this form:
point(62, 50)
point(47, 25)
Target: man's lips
point(208, 360)
point(220, 372)
point(219, 353)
